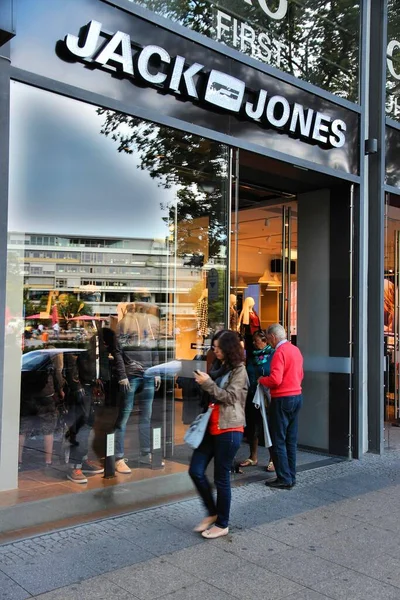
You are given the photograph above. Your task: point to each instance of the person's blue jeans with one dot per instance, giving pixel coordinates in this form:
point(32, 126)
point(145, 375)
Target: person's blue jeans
point(146, 385)
point(283, 417)
point(222, 448)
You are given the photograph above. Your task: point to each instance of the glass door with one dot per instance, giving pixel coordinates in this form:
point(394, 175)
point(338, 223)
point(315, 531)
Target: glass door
point(392, 309)
point(263, 252)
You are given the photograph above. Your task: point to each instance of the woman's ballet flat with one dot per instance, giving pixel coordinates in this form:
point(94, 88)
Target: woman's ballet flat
point(205, 524)
point(215, 532)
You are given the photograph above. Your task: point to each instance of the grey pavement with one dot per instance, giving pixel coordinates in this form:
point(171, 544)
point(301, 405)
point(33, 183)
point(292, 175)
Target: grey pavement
point(335, 535)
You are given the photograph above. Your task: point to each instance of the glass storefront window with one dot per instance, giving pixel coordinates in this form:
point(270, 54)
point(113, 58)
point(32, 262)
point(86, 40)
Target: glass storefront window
point(114, 227)
point(391, 289)
point(312, 40)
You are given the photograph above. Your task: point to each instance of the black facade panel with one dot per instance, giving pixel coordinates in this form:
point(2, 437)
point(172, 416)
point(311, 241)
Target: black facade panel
point(339, 318)
point(41, 49)
point(7, 25)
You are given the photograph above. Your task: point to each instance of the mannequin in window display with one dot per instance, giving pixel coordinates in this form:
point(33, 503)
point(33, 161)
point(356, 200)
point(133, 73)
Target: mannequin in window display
point(138, 323)
point(80, 373)
point(129, 363)
point(202, 314)
point(233, 316)
point(249, 323)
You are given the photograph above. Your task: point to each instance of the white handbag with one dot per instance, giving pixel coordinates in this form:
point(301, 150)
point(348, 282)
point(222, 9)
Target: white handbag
point(195, 434)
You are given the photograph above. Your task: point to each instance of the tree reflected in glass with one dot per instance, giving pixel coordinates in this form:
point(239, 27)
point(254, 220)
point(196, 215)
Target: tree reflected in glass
point(316, 40)
point(195, 167)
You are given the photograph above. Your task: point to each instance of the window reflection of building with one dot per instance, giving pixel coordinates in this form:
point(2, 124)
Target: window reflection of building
point(52, 266)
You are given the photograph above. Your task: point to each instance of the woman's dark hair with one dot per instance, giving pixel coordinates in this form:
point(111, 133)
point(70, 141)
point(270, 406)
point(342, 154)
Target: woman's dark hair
point(260, 335)
point(229, 345)
point(109, 338)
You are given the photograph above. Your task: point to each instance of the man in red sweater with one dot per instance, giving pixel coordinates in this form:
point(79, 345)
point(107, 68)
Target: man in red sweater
point(284, 383)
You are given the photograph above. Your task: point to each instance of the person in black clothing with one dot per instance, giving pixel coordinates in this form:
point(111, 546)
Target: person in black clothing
point(129, 366)
point(80, 373)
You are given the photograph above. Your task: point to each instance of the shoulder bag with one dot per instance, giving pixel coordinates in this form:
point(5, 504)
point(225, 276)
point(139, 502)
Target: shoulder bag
point(195, 434)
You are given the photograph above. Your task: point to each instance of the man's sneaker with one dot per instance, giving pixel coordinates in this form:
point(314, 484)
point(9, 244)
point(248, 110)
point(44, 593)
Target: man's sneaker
point(91, 468)
point(76, 476)
point(122, 467)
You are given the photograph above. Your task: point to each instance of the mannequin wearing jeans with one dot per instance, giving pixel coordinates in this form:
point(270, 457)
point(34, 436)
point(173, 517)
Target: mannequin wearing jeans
point(146, 387)
point(129, 367)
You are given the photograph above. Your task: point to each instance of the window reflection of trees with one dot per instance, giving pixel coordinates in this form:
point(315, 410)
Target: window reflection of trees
point(321, 37)
point(392, 84)
point(195, 167)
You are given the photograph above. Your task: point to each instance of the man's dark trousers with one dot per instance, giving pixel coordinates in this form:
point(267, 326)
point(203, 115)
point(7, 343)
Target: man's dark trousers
point(284, 421)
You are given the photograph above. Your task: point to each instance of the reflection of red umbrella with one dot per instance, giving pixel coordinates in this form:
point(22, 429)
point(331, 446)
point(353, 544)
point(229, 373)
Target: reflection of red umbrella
point(37, 316)
point(88, 318)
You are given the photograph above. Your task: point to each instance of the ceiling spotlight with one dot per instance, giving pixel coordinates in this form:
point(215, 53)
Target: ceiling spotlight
point(259, 251)
point(266, 222)
point(268, 238)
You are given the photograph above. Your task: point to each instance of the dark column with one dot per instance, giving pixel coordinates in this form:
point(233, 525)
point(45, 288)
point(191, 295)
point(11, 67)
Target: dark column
point(376, 179)
point(340, 393)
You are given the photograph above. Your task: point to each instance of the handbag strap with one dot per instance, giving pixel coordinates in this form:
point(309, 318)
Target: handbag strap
point(224, 379)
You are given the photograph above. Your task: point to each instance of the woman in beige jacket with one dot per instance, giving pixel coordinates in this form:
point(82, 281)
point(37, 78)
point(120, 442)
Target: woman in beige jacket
point(227, 388)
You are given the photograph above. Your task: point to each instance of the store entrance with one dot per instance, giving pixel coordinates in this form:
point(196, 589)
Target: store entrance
point(292, 260)
point(262, 236)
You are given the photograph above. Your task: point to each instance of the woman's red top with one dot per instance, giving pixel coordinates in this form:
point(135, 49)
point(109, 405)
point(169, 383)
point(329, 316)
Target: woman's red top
point(213, 423)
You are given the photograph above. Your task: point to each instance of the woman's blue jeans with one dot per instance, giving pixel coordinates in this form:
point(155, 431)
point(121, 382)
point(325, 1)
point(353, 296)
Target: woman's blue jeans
point(146, 385)
point(222, 448)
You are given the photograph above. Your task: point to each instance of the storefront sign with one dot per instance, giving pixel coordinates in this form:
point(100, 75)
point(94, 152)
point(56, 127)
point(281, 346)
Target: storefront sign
point(315, 40)
point(250, 39)
point(153, 65)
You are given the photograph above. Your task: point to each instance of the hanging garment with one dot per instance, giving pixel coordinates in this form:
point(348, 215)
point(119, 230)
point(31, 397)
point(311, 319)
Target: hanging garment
point(233, 318)
point(254, 322)
point(202, 316)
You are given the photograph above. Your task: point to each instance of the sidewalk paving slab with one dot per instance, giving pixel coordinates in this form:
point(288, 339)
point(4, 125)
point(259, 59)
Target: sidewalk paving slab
point(152, 579)
point(251, 581)
point(98, 588)
point(10, 590)
point(354, 586)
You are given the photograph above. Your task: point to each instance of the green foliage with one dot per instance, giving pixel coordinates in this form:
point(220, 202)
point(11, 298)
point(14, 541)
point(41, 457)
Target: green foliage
point(320, 38)
point(69, 306)
point(197, 168)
